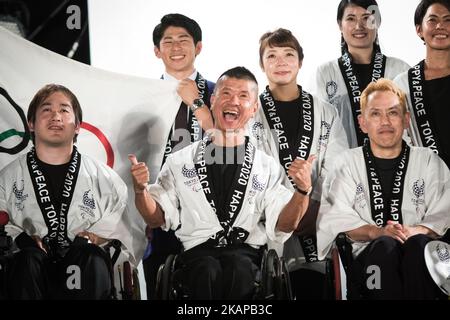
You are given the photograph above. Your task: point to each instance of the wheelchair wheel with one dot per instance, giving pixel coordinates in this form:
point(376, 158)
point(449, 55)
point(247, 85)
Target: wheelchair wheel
point(284, 290)
point(269, 273)
point(163, 279)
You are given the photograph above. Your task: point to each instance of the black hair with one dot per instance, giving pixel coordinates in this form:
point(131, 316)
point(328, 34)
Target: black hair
point(423, 6)
point(279, 38)
point(177, 20)
point(46, 92)
point(360, 3)
point(239, 73)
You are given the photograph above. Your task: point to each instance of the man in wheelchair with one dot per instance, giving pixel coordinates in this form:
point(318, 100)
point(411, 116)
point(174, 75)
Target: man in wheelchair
point(62, 206)
point(223, 197)
point(390, 199)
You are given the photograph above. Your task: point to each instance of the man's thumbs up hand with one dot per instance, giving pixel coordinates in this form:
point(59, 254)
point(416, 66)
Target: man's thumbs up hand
point(140, 174)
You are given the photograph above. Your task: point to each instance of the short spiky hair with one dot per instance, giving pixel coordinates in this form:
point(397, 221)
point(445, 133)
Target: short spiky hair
point(423, 6)
point(237, 73)
point(382, 85)
point(47, 91)
point(279, 38)
point(177, 20)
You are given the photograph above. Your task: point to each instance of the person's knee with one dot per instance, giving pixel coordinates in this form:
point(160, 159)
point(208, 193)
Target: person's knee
point(239, 277)
point(90, 258)
point(203, 278)
point(28, 259)
point(413, 250)
point(386, 245)
point(384, 253)
point(30, 254)
point(27, 274)
point(385, 241)
point(86, 273)
point(239, 264)
point(416, 242)
point(207, 267)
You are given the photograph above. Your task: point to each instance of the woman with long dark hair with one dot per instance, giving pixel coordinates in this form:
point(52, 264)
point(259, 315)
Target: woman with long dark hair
point(341, 81)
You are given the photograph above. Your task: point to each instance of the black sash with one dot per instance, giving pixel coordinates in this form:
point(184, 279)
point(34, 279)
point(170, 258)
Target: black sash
point(195, 129)
point(229, 235)
point(425, 124)
point(353, 84)
point(55, 222)
point(285, 151)
point(306, 126)
point(378, 198)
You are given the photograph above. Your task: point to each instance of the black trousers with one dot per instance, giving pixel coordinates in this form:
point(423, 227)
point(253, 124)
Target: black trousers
point(387, 269)
point(220, 273)
point(83, 273)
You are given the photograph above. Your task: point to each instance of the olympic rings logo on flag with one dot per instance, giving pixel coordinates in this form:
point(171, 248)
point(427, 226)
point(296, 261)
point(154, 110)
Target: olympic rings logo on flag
point(104, 141)
point(25, 135)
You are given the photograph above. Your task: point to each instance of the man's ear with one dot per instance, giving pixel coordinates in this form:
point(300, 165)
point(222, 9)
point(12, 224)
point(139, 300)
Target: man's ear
point(212, 99)
point(198, 48)
point(362, 123)
point(77, 128)
point(157, 52)
point(406, 120)
point(255, 107)
point(30, 126)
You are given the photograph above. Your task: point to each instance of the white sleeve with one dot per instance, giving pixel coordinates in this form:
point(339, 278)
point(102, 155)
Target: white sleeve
point(337, 209)
point(337, 144)
point(11, 229)
point(275, 198)
point(112, 201)
point(164, 192)
point(437, 195)
point(320, 87)
point(116, 221)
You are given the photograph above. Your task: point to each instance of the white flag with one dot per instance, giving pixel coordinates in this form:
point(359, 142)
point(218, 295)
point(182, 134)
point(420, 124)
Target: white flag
point(121, 114)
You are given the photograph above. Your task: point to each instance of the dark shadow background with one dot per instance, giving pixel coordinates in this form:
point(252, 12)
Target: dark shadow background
point(44, 23)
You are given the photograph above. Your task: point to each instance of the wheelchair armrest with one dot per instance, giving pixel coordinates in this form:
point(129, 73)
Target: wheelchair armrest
point(345, 249)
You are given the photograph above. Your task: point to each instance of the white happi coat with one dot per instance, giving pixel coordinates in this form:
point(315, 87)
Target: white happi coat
point(328, 141)
point(330, 86)
point(187, 211)
point(346, 205)
point(98, 204)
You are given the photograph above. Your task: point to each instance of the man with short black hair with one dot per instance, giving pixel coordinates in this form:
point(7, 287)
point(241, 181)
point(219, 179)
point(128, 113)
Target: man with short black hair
point(223, 212)
point(62, 205)
point(177, 42)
